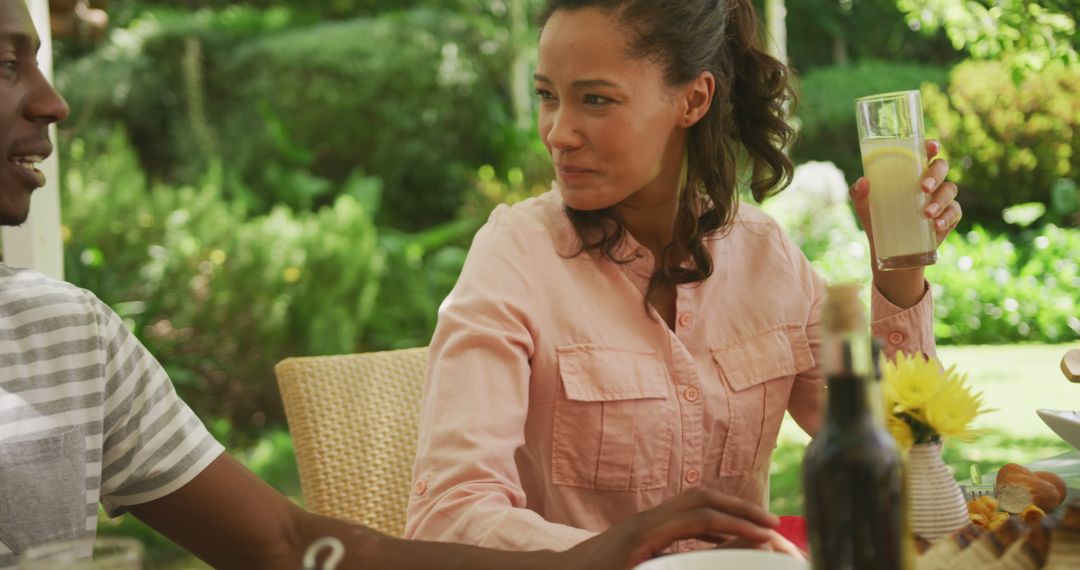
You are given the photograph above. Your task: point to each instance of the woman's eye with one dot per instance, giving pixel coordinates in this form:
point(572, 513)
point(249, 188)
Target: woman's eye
point(596, 100)
point(9, 65)
point(544, 94)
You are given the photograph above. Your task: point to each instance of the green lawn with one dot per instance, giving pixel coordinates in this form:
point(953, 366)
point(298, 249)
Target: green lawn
point(1015, 379)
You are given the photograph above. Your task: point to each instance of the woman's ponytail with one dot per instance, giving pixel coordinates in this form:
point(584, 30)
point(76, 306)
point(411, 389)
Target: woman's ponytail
point(760, 96)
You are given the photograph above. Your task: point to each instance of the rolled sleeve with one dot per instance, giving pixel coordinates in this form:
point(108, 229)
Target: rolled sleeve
point(466, 484)
point(909, 330)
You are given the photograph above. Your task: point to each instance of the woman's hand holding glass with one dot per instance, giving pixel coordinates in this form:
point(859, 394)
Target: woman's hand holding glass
point(905, 287)
point(942, 208)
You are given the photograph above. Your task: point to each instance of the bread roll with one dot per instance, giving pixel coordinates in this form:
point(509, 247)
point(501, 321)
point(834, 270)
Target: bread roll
point(1017, 487)
point(1055, 480)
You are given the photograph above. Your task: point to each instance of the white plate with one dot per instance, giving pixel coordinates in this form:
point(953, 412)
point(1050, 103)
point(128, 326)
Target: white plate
point(722, 559)
point(1065, 424)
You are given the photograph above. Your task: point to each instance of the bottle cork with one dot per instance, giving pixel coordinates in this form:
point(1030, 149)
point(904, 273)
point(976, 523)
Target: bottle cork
point(844, 310)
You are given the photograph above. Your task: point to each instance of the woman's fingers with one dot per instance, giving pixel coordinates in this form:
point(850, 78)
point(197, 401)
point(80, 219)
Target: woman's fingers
point(729, 504)
point(936, 172)
point(949, 218)
point(710, 524)
point(940, 200)
point(705, 514)
point(933, 147)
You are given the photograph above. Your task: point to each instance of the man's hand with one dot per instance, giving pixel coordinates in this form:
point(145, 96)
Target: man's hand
point(703, 514)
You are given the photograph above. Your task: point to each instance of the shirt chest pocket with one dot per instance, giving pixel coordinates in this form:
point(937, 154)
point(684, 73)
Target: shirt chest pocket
point(613, 428)
point(43, 489)
point(758, 372)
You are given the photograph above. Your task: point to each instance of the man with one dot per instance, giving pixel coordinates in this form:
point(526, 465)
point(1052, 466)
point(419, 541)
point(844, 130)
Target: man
point(88, 416)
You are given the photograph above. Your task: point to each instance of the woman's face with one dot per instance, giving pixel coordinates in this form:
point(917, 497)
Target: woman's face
point(611, 125)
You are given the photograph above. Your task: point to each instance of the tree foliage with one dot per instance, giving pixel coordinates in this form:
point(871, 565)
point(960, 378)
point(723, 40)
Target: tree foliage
point(1028, 34)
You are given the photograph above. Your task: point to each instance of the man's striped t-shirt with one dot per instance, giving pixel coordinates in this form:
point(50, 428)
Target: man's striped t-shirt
point(87, 415)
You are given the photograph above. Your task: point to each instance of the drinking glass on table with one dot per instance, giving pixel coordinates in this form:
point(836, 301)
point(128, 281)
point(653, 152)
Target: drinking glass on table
point(894, 159)
point(84, 554)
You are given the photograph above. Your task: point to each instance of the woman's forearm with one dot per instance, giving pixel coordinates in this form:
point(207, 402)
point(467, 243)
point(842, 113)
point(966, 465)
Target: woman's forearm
point(902, 287)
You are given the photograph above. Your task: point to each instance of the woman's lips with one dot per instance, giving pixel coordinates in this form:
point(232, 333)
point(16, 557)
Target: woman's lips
point(572, 174)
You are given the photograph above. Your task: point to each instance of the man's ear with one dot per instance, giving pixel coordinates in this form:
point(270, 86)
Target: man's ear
point(697, 97)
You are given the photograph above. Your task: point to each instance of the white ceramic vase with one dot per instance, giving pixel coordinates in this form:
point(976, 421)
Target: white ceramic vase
point(936, 504)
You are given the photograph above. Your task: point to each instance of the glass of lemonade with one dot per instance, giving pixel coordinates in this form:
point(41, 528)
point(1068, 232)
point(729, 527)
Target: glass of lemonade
point(894, 159)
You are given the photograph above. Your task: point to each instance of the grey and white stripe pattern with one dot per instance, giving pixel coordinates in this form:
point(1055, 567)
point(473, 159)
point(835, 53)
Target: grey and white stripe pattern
point(87, 415)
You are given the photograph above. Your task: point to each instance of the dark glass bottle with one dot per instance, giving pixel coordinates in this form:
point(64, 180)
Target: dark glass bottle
point(853, 477)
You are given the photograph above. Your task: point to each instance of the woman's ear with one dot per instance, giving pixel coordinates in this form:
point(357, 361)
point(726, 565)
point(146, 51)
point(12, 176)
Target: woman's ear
point(698, 96)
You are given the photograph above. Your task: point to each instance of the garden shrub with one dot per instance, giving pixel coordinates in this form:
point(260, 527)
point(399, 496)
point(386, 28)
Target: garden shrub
point(831, 32)
point(414, 98)
point(826, 109)
point(216, 295)
point(989, 288)
point(1006, 143)
point(1010, 143)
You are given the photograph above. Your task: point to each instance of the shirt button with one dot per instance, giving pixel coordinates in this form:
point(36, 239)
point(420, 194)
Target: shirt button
point(691, 394)
point(896, 337)
point(693, 475)
point(686, 319)
point(420, 488)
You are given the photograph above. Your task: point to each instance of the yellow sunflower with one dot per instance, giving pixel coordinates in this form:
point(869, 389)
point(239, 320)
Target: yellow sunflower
point(951, 411)
point(911, 381)
point(900, 431)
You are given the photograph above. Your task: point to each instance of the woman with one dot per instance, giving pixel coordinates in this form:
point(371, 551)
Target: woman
point(635, 332)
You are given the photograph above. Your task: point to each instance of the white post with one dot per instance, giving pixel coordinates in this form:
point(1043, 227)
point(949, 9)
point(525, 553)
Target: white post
point(776, 23)
point(38, 244)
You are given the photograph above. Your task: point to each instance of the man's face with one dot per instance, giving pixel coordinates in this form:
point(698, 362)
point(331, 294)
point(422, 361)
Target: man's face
point(28, 104)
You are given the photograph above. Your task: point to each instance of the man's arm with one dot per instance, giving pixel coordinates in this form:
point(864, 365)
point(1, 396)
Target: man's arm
point(229, 518)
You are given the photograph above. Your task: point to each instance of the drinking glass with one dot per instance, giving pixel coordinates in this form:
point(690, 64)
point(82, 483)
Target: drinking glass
point(894, 160)
point(84, 554)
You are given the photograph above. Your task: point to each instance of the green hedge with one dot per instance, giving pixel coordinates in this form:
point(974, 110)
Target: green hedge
point(819, 32)
point(1010, 143)
point(990, 290)
point(216, 295)
point(826, 109)
point(408, 97)
point(293, 111)
point(219, 295)
point(1007, 144)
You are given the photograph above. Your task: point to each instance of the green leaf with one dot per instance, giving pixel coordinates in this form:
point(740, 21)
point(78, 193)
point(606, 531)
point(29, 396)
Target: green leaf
point(1023, 215)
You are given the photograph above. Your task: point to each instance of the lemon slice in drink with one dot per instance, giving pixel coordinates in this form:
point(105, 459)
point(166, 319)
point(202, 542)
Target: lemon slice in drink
point(891, 163)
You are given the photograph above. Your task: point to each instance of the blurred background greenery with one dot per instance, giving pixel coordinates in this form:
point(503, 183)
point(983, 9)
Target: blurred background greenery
point(249, 180)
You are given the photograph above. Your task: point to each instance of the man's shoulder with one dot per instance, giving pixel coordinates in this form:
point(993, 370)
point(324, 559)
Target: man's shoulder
point(25, 289)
